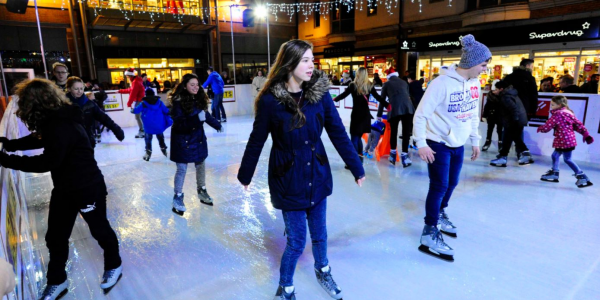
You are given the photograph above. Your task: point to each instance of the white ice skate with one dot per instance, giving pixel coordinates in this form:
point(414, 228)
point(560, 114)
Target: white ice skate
point(432, 243)
point(446, 226)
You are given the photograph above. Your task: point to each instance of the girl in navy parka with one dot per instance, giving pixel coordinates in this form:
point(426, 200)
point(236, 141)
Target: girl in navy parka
point(188, 141)
point(295, 107)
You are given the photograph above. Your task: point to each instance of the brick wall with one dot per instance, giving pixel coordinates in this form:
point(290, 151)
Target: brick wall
point(565, 10)
point(47, 15)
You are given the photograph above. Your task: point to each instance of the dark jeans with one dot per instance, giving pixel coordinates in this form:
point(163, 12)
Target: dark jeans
point(61, 219)
point(295, 228)
point(567, 158)
point(444, 173)
point(490, 130)
point(357, 143)
point(513, 133)
point(222, 109)
point(216, 105)
point(161, 141)
point(407, 127)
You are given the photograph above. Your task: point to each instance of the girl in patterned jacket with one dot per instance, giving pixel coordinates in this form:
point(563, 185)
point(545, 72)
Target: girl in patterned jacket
point(564, 123)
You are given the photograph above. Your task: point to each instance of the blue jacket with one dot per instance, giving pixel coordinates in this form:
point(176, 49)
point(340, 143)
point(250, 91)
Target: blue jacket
point(215, 81)
point(299, 170)
point(154, 115)
point(188, 141)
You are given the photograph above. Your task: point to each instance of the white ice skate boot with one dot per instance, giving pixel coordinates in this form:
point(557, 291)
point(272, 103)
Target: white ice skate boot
point(445, 225)
point(432, 243)
point(582, 180)
point(55, 291)
point(110, 278)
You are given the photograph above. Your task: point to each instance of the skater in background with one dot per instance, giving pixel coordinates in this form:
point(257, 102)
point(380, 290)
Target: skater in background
point(514, 121)
point(564, 123)
point(377, 129)
point(91, 112)
point(525, 84)
point(216, 83)
point(61, 74)
point(395, 91)
point(377, 82)
point(156, 118)
point(258, 83)
point(57, 127)
point(446, 118)
point(189, 110)
point(360, 117)
point(295, 107)
point(547, 86)
point(136, 93)
point(492, 112)
point(415, 89)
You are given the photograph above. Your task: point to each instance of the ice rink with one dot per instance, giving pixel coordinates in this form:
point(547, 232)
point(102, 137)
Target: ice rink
point(518, 237)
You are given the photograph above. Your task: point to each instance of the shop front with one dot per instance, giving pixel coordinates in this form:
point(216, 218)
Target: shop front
point(339, 60)
point(560, 48)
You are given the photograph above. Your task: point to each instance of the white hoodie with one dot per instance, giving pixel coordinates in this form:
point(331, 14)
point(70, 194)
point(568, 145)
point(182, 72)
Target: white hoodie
point(449, 111)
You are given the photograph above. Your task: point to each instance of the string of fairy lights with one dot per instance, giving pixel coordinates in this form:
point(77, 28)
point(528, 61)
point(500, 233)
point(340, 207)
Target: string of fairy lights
point(179, 12)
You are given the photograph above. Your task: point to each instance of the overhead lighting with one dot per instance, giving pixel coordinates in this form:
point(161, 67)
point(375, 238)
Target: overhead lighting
point(260, 11)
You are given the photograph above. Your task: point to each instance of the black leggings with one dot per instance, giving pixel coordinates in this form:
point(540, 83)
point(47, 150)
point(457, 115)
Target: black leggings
point(490, 130)
point(407, 127)
point(513, 133)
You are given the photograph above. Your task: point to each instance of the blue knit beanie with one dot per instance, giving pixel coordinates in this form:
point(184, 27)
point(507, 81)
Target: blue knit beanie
point(473, 52)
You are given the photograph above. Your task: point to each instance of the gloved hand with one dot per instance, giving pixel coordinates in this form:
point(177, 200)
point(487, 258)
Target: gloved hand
point(202, 116)
point(222, 129)
point(120, 135)
point(588, 139)
point(5, 144)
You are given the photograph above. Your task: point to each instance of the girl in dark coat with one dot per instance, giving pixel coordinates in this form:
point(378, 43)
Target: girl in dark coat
point(492, 112)
point(295, 107)
point(91, 111)
point(188, 141)
point(79, 188)
point(360, 118)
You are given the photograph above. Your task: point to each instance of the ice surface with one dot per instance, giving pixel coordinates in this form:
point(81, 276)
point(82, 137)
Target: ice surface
point(518, 237)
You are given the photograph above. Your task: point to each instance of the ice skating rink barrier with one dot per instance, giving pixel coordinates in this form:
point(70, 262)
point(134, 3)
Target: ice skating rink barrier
point(585, 106)
point(15, 232)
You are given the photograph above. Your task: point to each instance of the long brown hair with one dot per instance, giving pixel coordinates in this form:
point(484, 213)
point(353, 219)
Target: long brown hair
point(288, 58)
point(38, 97)
point(189, 101)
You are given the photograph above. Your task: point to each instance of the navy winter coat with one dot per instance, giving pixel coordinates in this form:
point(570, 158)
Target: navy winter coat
point(299, 171)
point(154, 113)
point(188, 141)
point(93, 113)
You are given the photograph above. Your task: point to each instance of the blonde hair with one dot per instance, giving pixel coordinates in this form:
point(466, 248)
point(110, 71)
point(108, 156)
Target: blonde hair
point(562, 101)
point(38, 97)
point(57, 64)
point(363, 85)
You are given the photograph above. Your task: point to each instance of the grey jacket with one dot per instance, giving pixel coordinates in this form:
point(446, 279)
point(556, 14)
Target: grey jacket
point(396, 92)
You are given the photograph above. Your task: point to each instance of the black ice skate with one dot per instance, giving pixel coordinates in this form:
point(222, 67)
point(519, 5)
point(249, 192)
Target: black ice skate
point(392, 157)
point(486, 146)
point(178, 206)
point(147, 155)
point(550, 176)
point(205, 198)
point(525, 158)
point(582, 180)
point(110, 278)
point(432, 243)
point(164, 151)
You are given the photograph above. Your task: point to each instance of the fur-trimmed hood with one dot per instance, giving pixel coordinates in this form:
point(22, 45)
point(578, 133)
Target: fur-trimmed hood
point(313, 90)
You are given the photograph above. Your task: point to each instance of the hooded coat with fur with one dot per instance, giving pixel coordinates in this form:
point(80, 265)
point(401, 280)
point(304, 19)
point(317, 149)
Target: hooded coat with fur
point(299, 170)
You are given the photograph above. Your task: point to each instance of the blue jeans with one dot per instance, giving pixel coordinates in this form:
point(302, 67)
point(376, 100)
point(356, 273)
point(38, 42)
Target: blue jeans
point(373, 140)
point(444, 173)
point(161, 141)
point(567, 158)
point(216, 105)
point(357, 143)
point(295, 228)
point(182, 170)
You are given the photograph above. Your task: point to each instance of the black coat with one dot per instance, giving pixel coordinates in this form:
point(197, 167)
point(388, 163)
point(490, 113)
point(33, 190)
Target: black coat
point(360, 117)
point(514, 111)
point(93, 113)
point(188, 140)
point(68, 155)
point(525, 84)
point(396, 92)
point(415, 89)
point(493, 108)
point(573, 89)
point(590, 87)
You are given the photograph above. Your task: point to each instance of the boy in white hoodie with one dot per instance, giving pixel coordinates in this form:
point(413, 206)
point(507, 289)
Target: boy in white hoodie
point(446, 118)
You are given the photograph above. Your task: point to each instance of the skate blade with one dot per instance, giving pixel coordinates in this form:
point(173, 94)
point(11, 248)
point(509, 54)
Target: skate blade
point(177, 211)
point(450, 234)
point(62, 294)
point(498, 165)
point(444, 257)
point(107, 290)
point(407, 165)
point(524, 164)
point(546, 180)
point(206, 203)
point(584, 186)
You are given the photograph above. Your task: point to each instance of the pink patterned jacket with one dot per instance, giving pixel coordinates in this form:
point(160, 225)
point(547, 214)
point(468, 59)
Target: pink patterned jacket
point(564, 123)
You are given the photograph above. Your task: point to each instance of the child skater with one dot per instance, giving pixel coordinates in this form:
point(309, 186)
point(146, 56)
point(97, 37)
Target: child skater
point(156, 119)
point(188, 141)
point(377, 129)
point(564, 123)
point(295, 107)
point(79, 188)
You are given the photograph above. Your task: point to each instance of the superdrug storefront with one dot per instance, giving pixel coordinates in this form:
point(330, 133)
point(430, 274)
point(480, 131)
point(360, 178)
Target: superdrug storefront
point(568, 47)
